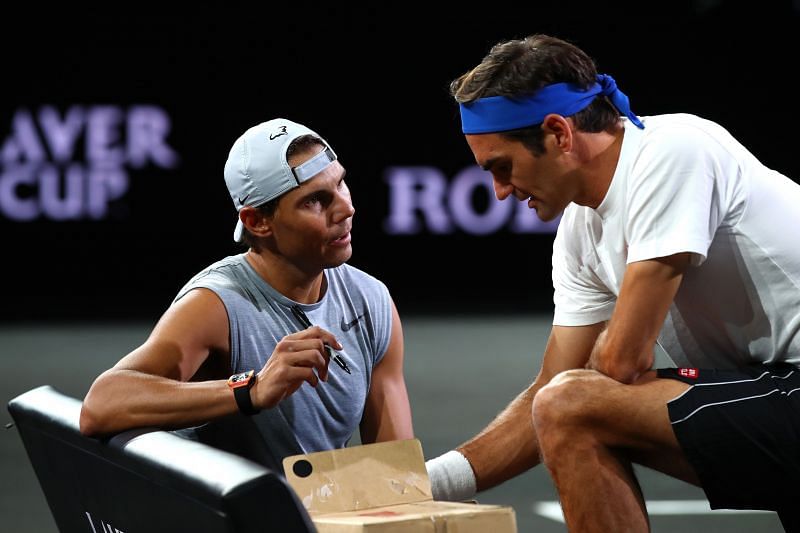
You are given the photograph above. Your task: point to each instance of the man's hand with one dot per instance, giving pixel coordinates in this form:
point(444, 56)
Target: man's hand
point(294, 361)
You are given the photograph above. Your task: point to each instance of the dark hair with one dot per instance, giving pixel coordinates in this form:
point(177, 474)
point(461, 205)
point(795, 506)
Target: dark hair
point(522, 67)
point(299, 145)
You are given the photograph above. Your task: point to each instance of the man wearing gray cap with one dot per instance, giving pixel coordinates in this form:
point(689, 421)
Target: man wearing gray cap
point(256, 332)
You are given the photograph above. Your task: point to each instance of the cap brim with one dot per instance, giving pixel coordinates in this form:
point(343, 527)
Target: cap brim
point(237, 232)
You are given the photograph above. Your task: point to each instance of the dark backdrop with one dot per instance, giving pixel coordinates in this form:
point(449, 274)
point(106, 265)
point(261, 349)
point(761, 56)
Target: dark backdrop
point(373, 81)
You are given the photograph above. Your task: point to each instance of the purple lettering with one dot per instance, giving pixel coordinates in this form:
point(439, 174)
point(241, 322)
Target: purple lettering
point(61, 136)
point(104, 186)
point(462, 208)
point(61, 200)
point(443, 206)
point(148, 128)
point(12, 204)
point(103, 135)
point(23, 144)
point(413, 189)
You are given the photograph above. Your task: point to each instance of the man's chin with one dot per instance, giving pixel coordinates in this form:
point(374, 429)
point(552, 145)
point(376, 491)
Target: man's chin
point(543, 214)
point(546, 215)
point(339, 258)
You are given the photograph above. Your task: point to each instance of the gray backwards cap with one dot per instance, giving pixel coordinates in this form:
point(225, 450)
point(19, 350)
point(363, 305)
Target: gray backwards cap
point(257, 171)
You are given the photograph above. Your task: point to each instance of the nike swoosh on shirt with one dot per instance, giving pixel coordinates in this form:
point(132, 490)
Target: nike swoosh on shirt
point(346, 326)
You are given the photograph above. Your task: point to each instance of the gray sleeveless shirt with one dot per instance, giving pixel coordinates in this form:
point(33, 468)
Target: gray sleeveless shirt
point(356, 308)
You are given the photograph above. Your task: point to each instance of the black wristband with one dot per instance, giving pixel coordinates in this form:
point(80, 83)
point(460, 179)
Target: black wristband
point(243, 400)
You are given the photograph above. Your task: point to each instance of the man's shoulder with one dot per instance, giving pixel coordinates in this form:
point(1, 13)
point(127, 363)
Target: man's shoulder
point(674, 119)
point(683, 128)
point(227, 267)
point(220, 275)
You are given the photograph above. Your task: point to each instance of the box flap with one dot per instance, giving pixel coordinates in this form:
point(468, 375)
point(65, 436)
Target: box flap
point(422, 517)
point(360, 477)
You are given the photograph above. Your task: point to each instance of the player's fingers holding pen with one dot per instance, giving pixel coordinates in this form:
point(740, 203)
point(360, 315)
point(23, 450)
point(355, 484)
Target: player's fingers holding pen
point(316, 332)
point(314, 357)
point(299, 374)
point(291, 364)
point(308, 352)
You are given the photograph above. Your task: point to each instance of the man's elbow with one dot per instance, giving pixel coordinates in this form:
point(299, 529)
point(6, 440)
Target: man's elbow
point(626, 370)
point(95, 418)
point(90, 422)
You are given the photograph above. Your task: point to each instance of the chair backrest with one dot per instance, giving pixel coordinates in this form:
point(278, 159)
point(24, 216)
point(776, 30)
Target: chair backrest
point(146, 480)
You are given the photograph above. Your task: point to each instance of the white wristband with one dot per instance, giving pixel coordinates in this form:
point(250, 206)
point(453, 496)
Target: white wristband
point(452, 478)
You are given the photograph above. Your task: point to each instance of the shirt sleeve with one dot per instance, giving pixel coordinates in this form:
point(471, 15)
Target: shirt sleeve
point(580, 296)
point(673, 200)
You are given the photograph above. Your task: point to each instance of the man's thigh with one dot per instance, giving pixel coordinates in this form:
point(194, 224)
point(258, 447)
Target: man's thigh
point(631, 416)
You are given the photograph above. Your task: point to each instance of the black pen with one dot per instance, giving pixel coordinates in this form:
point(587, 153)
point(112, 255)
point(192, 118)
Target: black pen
point(333, 354)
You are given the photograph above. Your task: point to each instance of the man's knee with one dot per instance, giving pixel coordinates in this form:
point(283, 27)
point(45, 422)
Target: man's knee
point(566, 400)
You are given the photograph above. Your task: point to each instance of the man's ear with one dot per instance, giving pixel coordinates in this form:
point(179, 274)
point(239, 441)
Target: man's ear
point(256, 222)
point(561, 129)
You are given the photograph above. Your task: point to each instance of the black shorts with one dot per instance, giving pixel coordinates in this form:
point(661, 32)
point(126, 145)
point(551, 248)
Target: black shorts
point(740, 430)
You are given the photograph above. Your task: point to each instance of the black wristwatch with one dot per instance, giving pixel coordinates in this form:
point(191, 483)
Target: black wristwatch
point(241, 385)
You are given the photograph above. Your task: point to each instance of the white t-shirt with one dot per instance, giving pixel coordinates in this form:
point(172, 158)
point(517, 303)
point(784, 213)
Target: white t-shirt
point(684, 184)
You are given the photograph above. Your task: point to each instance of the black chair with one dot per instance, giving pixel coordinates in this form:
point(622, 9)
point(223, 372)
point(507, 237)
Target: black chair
point(147, 480)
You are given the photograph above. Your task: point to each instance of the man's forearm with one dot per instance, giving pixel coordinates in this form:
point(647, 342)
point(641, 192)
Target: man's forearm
point(509, 445)
point(622, 365)
point(124, 399)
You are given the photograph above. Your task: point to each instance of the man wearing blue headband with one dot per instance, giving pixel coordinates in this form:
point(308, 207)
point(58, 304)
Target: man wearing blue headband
point(672, 233)
point(308, 348)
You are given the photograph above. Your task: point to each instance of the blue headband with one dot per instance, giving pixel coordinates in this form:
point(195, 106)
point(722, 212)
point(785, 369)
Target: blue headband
point(500, 113)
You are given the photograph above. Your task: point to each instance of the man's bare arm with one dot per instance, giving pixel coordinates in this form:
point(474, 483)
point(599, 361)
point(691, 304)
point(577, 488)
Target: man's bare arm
point(150, 386)
point(387, 412)
point(625, 350)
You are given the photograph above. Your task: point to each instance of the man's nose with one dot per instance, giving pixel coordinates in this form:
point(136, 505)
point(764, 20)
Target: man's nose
point(343, 209)
point(502, 190)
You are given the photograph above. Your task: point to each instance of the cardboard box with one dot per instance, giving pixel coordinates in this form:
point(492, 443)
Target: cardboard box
point(383, 488)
